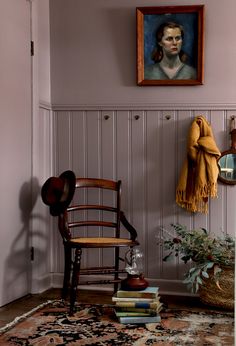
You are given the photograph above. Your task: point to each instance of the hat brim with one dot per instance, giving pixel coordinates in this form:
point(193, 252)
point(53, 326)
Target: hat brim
point(59, 207)
point(52, 190)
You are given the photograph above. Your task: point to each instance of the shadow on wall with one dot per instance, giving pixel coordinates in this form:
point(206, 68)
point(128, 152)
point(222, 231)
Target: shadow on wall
point(17, 275)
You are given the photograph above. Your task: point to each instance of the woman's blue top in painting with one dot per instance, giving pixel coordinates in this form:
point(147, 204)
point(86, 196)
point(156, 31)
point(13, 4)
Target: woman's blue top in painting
point(154, 71)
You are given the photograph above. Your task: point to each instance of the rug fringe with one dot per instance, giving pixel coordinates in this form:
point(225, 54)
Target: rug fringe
point(24, 316)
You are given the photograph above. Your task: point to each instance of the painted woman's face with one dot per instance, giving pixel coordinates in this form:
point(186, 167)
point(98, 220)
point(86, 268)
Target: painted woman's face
point(171, 41)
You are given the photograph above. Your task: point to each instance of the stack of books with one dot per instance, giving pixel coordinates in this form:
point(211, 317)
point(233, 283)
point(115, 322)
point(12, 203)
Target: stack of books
point(138, 306)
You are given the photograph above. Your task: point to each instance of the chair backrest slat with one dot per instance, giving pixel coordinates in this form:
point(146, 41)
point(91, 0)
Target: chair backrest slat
point(91, 207)
point(100, 183)
point(92, 223)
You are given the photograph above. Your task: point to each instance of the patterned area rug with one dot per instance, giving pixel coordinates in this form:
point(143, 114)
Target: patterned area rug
point(49, 324)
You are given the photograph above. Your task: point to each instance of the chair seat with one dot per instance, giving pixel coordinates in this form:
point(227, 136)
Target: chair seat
point(102, 242)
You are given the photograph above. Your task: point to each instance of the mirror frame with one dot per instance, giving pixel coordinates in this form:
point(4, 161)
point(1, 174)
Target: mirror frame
point(223, 180)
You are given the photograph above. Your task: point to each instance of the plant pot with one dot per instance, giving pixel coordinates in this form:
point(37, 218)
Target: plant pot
point(222, 297)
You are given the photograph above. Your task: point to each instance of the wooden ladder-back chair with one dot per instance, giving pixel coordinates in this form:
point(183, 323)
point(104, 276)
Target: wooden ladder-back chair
point(77, 227)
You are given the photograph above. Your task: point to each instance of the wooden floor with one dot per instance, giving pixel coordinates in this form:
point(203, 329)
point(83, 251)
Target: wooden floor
point(25, 304)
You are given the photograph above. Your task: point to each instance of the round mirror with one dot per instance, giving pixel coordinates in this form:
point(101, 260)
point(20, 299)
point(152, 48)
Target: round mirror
point(227, 167)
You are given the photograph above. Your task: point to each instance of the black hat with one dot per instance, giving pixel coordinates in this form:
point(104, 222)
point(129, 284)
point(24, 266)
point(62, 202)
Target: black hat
point(57, 192)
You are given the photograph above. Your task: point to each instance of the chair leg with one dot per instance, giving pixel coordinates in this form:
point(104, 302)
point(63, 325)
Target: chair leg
point(67, 271)
point(116, 276)
point(75, 279)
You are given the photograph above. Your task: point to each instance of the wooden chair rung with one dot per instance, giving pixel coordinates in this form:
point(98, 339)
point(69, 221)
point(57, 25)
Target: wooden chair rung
point(101, 282)
point(101, 271)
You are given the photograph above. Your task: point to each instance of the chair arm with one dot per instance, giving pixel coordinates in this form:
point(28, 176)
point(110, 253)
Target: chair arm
point(128, 226)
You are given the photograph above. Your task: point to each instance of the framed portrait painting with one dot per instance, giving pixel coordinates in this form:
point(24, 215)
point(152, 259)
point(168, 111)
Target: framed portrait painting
point(170, 45)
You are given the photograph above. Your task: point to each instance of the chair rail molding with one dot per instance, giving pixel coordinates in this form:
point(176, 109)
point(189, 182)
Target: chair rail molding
point(144, 106)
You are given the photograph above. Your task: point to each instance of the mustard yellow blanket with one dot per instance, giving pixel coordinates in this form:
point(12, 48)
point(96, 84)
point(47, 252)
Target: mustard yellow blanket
point(198, 178)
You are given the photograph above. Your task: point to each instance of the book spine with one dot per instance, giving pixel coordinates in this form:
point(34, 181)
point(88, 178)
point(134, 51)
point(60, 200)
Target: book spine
point(137, 310)
point(117, 299)
point(133, 294)
point(135, 314)
point(133, 320)
point(142, 305)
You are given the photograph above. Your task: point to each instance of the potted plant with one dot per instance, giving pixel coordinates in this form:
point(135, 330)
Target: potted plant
point(212, 263)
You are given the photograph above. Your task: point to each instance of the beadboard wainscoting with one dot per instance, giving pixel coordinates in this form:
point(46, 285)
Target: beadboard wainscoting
point(146, 150)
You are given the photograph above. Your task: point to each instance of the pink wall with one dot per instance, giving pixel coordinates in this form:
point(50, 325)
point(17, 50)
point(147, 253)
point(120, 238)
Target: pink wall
point(94, 54)
point(15, 149)
point(93, 66)
point(92, 63)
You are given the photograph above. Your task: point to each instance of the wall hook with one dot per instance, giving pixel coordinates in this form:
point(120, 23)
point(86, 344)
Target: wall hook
point(136, 117)
point(106, 117)
point(232, 123)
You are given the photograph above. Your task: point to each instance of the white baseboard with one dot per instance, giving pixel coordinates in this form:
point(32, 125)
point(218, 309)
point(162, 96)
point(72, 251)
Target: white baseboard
point(41, 284)
point(167, 287)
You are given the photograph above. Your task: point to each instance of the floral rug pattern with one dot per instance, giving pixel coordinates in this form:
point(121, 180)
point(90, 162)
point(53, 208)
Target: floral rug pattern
point(96, 325)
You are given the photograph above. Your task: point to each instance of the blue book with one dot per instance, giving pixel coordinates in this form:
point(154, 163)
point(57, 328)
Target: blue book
point(139, 319)
point(134, 313)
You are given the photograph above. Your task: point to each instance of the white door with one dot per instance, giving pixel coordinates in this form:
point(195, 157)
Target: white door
point(15, 149)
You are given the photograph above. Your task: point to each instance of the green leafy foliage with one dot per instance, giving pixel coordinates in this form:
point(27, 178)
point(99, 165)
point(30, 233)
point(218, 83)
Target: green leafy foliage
point(204, 251)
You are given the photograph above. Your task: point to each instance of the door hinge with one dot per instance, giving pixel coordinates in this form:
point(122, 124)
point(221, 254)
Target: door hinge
point(32, 253)
point(32, 48)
